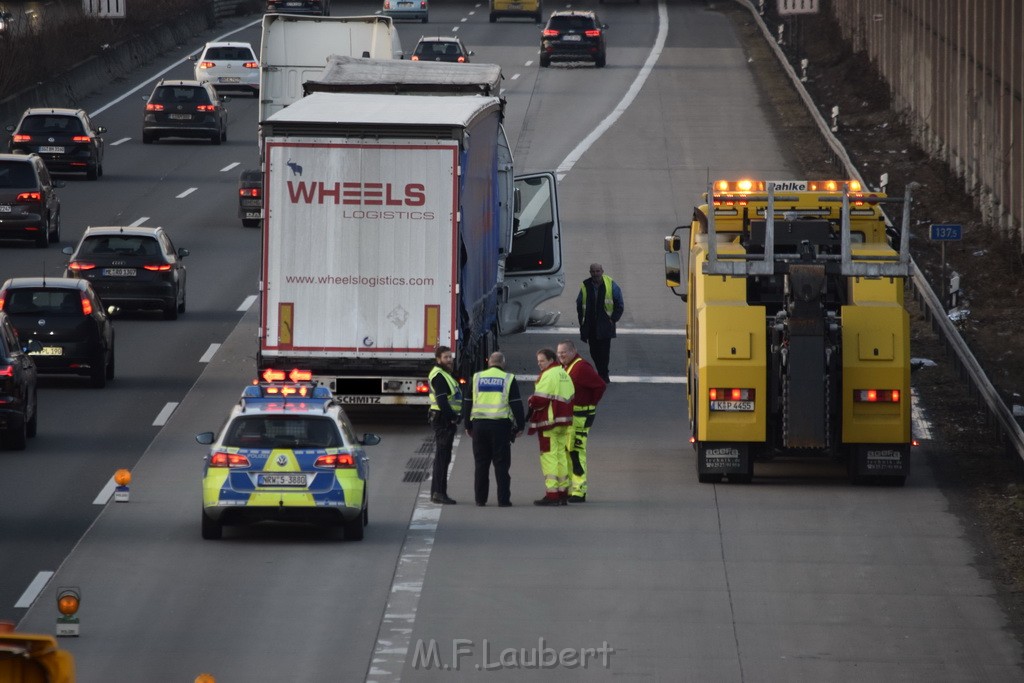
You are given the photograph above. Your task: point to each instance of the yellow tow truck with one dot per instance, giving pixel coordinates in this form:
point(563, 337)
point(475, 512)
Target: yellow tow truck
point(33, 658)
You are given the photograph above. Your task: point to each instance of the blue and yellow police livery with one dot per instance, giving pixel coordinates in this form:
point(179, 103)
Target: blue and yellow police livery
point(288, 453)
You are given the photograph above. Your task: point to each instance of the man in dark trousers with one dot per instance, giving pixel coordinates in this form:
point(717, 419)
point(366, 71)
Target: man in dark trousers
point(444, 415)
point(494, 416)
point(599, 306)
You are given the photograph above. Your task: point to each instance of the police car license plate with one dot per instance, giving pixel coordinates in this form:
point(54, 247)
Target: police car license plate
point(734, 406)
point(281, 480)
point(180, 117)
point(48, 351)
point(51, 150)
point(119, 272)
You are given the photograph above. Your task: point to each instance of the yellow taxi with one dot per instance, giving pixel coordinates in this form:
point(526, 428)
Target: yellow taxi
point(287, 453)
point(517, 8)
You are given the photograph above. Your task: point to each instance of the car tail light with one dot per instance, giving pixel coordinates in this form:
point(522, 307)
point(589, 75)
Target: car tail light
point(731, 394)
point(3, 299)
point(876, 395)
point(207, 65)
point(152, 106)
point(549, 33)
point(592, 33)
point(249, 192)
point(251, 65)
point(423, 4)
point(387, 5)
point(7, 371)
point(422, 386)
point(81, 138)
point(204, 107)
point(158, 266)
point(233, 460)
point(29, 198)
point(81, 265)
point(415, 58)
point(337, 461)
point(20, 137)
point(462, 59)
point(86, 305)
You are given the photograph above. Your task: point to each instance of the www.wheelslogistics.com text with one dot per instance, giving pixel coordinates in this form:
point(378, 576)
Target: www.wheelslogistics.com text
point(483, 655)
point(360, 280)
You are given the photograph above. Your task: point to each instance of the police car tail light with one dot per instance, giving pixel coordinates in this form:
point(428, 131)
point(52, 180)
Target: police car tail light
point(337, 461)
point(876, 396)
point(423, 386)
point(233, 460)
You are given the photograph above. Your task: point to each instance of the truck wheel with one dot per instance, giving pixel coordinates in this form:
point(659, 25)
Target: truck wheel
point(212, 531)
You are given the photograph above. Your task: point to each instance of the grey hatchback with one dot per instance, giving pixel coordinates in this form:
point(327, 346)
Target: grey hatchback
point(29, 207)
point(185, 109)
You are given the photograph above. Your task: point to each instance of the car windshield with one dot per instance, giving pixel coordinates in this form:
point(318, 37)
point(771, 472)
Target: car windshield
point(43, 301)
point(571, 23)
point(263, 431)
point(229, 54)
point(137, 245)
point(67, 125)
point(16, 174)
point(179, 94)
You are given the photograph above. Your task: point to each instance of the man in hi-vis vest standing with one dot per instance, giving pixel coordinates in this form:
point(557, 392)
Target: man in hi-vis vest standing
point(494, 417)
point(588, 388)
point(551, 421)
point(444, 415)
point(599, 306)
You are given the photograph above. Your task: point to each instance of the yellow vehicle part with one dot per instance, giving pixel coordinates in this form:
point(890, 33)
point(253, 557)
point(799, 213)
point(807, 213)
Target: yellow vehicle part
point(30, 658)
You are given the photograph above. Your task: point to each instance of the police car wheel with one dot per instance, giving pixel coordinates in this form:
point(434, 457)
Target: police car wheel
point(212, 531)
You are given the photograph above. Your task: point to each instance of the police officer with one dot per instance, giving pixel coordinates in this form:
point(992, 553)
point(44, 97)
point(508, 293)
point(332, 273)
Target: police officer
point(445, 412)
point(588, 388)
point(495, 417)
point(551, 420)
point(599, 306)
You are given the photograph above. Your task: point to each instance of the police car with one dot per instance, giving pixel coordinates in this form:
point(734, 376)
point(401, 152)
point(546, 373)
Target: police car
point(288, 452)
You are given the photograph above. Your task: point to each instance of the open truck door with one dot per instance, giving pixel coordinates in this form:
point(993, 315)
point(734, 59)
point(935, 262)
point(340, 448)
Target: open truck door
point(533, 267)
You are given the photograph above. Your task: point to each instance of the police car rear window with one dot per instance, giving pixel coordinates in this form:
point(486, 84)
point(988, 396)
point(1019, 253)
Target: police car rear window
point(261, 431)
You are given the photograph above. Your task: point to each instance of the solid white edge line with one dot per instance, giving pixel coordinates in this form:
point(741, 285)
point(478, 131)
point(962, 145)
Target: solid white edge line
point(247, 303)
point(140, 221)
point(165, 414)
point(626, 100)
point(33, 590)
point(187, 192)
point(119, 142)
point(210, 352)
point(105, 493)
point(231, 166)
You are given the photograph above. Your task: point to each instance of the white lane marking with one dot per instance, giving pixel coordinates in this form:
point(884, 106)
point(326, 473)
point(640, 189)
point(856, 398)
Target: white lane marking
point(514, 77)
point(165, 414)
point(247, 304)
point(33, 590)
point(395, 631)
point(119, 142)
point(627, 99)
point(464, 19)
point(173, 66)
point(621, 330)
point(455, 29)
point(187, 192)
point(528, 62)
point(105, 493)
point(230, 166)
point(210, 352)
point(139, 221)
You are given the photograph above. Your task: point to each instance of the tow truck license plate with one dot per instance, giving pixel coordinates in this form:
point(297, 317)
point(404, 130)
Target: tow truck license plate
point(281, 480)
point(51, 150)
point(735, 406)
point(119, 272)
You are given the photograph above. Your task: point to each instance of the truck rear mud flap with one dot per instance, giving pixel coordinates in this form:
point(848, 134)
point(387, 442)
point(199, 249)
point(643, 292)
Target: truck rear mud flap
point(732, 460)
point(881, 463)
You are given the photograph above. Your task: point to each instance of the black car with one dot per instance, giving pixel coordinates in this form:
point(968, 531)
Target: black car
point(64, 139)
point(29, 207)
point(19, 409)
point(131, 267)
point(573, 36)
point(67, 322)
point(315, 7)
point(441, 49)
point(250, 198)
point(185, 109)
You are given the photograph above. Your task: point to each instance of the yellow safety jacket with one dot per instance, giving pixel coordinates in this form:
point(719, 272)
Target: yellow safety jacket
point(609, 302)
point(491, 388)
point(454, 392)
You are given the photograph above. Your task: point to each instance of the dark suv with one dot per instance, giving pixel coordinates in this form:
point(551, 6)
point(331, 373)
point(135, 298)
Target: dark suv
point(19, 413)
point(64, 139)
point(573, 36)
point(29, 207)
point(316, 7)
point(185, 109)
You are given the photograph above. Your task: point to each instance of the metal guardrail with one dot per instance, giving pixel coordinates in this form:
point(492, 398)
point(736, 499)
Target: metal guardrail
point(999, 413)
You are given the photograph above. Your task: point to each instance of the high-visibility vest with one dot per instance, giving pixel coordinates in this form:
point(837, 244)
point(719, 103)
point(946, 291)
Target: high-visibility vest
point(609, 301)
point(454, 392)
point(490, 395)
point(555, 385)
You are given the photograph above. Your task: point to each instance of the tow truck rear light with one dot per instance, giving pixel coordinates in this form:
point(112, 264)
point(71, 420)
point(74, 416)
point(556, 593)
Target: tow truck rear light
point(336, 461)
point(731, 399)
point(81, 265)
point(158, 266)
point(876, 396)
point(21, 137)
point(549, 33)
point(232, 460)
point(153, 106)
